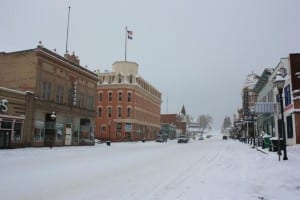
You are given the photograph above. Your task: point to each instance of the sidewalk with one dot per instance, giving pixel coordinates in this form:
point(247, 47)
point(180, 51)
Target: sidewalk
point(293, 152)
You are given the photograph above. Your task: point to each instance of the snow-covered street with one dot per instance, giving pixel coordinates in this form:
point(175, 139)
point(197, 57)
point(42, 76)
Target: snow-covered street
point(202, 169)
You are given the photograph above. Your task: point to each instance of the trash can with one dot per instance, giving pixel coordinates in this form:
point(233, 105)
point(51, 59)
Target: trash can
point(275, 142)
point(266, 141)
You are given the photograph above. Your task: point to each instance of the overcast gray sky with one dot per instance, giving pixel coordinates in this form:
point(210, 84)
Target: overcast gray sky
point(196, 52)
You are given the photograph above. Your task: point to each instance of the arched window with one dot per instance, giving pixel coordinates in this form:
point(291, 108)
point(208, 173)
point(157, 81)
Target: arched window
point(109, 96)
point(128, 112)
point(129, 96)
point(99, 112)
point(119, 96)
point(100, 96)
point(120, 112)
point(109, 112)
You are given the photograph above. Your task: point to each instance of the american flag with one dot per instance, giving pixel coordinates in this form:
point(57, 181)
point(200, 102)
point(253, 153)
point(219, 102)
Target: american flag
point(129, 34)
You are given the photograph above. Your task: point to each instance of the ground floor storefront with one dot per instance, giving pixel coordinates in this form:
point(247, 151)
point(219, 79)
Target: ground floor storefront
point(62, 126)
point(11, 131)
point(119, 131)
point(28, 121)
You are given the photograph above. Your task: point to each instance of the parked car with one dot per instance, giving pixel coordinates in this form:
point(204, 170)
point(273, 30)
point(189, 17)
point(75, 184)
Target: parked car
point(225, 137)
point(183, 139)
point(84, 141)
point(161, 139)
point(201, 137)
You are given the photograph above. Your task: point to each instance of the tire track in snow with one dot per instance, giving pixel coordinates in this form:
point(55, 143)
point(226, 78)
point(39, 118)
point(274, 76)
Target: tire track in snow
point(200, 165)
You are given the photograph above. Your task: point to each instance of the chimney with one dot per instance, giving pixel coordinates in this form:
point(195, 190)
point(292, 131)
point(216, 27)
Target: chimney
point(73, 58)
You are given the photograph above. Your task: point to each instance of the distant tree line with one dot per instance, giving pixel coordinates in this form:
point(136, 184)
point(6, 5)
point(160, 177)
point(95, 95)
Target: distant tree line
point(205, 121)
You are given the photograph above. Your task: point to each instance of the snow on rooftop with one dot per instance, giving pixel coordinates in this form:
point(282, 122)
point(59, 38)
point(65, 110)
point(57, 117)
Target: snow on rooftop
point(251, 80)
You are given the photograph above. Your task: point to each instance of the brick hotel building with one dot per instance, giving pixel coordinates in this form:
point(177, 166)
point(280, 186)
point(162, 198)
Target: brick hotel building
point(128, 107)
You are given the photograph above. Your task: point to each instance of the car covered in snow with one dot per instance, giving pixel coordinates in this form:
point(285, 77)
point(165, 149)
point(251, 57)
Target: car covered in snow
point(161, 139)
point(183, 139)
point(225, 137)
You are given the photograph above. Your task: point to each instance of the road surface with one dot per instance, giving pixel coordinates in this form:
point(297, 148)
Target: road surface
point(202, 169)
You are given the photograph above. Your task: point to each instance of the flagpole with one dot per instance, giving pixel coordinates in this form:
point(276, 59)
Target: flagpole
point(68, 31)
point(126, 41)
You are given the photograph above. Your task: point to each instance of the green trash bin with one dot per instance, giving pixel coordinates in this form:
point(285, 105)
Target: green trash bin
point(266, 141)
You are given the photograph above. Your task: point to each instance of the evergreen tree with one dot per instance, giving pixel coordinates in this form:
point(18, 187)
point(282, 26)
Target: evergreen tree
point(226, 123)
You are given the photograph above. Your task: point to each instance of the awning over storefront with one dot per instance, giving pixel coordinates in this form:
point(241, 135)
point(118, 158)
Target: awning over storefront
point(265, 107)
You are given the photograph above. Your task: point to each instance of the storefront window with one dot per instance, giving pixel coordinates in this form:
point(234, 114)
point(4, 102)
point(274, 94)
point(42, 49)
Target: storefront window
point(38, 135)
point(39, 132)
point(6, 125)
point(59, 132)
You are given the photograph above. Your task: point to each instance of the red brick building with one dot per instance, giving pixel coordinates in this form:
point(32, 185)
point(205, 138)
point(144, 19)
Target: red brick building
point(128, 107)
point(178, 120)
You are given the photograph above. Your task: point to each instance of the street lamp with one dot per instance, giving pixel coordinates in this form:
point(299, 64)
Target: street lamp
point(53, 115)
point(52, 135)
point(253, 118)
point(109, 124)
point(279, 84)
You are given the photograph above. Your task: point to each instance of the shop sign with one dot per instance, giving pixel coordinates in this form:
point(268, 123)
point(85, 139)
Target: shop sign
point(3, 105)
point(74, 92)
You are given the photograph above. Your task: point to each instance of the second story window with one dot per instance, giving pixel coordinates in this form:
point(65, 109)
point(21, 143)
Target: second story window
point(90, 102)
point(109, 96)
point(119, 112)
point(99, 112)
point(287, 95)
point(79, 101)
point(128, 112)
point(59, 94)
point(45, 90)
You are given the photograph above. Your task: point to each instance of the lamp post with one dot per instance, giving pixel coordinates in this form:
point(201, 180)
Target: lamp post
point(53, 115)
point(109, 124)
point(279, 84)
point(53, 118)
point(253, 127)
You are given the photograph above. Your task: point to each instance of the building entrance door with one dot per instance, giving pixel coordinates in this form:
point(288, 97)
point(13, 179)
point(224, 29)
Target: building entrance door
point(128, 136)
point(68, 134)
point(4, 138)
point(50, 131)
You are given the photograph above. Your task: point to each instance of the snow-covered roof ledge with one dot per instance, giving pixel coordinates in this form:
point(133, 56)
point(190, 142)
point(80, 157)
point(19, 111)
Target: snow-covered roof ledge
point(13, 90)
point(296, 110)
point(296, 91)
point(296, 98)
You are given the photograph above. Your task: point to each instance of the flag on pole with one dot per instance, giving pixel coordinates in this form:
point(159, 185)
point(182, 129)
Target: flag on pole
point(129, 34)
